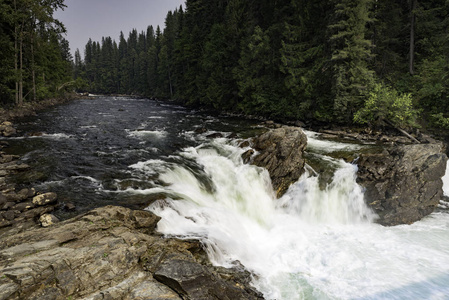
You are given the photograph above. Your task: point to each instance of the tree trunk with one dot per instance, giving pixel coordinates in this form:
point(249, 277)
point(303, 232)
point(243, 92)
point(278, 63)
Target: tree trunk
point(33, 71)
point(413, 6)
point(169, 81)
point(16, 68)
point(21, 72)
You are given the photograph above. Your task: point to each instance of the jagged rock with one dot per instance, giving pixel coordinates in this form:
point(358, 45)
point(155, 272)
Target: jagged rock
point(45, 199)
point(281, 153)
point(403, 184)
point(111, 253)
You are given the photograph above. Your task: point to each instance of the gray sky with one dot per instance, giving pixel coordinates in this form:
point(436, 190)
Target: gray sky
point(94, 19)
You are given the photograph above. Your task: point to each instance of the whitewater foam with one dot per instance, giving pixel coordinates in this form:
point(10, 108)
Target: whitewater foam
point(311, 243)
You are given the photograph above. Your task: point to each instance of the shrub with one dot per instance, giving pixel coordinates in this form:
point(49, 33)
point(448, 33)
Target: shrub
point(386, 105)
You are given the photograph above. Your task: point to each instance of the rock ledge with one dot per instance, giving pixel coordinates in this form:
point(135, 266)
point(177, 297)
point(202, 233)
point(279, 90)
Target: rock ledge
point(112, 253)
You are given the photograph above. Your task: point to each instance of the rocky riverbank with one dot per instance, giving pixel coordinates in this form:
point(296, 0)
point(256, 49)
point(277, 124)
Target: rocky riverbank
point(25, 208)
point(31, 108)
point(108, 253)
point(113, 253)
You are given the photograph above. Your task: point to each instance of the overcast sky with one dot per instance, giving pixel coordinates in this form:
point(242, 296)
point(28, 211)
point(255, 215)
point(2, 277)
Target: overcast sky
point(94, 19)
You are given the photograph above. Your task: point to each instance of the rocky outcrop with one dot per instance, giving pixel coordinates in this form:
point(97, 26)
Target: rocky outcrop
point(403, 184)
point(280, 151)
point(24, 207)
point(112, 253)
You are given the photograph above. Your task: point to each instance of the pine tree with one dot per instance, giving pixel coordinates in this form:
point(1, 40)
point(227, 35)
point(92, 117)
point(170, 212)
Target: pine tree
point(352, 78)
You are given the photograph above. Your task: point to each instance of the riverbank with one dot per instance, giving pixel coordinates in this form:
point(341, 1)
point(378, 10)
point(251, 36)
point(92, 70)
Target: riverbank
point(31, 108)
point(113, 253)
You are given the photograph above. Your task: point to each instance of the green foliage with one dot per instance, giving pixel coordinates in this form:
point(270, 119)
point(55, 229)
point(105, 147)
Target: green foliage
point(438, 120)
point(34, 57)
point(352, 79)
point(296, 59)
point(386, 104)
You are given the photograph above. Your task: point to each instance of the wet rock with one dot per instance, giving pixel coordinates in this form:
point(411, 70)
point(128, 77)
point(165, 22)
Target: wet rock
point(45, 199)
point(281, 152)
point(247, 156)
point(3, 200)
point(214, 135)
point(112, 253)
point(232, 136)
point(7, 158)
point(35, 134)
point(70, 206)
point(244, 144)
point(200, 130)
point(35, 213)
point(23, 206)
point(8, 215)
point(48, 220)
point(403, 183)
point(8, 205)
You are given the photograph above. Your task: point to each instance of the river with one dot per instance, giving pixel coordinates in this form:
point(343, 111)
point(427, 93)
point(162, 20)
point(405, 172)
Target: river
point(314, 243)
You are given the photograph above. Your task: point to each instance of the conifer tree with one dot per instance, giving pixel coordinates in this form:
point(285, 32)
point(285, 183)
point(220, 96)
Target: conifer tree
point(352, 78)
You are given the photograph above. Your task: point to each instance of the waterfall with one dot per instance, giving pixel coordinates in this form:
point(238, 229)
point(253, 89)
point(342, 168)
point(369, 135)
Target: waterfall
point(312, 243)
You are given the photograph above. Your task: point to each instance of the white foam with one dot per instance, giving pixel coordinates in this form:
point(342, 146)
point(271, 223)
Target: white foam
point(325, 146)
point(147, 133)
point(311, 244)
point(446, 181)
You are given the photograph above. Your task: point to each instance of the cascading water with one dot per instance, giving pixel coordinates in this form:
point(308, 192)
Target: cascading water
point(311, 243)
point(317, 242)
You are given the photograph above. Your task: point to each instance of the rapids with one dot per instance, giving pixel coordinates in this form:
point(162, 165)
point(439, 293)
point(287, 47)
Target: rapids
point(316, 242)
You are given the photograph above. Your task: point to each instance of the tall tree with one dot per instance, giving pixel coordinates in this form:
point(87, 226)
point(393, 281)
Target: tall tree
point(352, 78)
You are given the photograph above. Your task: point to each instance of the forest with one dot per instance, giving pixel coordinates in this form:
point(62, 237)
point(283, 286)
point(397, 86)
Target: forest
point(35, 59)
point(341, 61)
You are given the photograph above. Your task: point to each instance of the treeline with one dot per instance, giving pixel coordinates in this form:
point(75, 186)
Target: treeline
point(328, 60)
point(35, 60)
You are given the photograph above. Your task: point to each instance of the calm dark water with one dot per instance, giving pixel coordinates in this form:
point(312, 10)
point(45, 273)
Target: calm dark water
point(84, 151)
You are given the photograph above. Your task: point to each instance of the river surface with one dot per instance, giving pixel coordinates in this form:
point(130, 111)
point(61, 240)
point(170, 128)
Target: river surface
point(318, 241)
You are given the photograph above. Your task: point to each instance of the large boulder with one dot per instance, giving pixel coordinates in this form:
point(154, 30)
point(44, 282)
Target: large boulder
point(112, 253)
point(403, 184)
point(281, 152)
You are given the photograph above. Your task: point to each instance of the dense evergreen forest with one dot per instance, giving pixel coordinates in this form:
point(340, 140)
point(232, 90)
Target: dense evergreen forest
point(343, 61)
point(35, 59)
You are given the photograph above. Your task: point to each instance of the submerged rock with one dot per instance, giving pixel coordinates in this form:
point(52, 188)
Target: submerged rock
point(112, 253)
point(403, 184)
point(281, 152)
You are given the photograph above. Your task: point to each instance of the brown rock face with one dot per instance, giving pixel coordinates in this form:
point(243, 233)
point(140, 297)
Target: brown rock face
point(112, 253)
point(281, 153)
point(403, 184)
